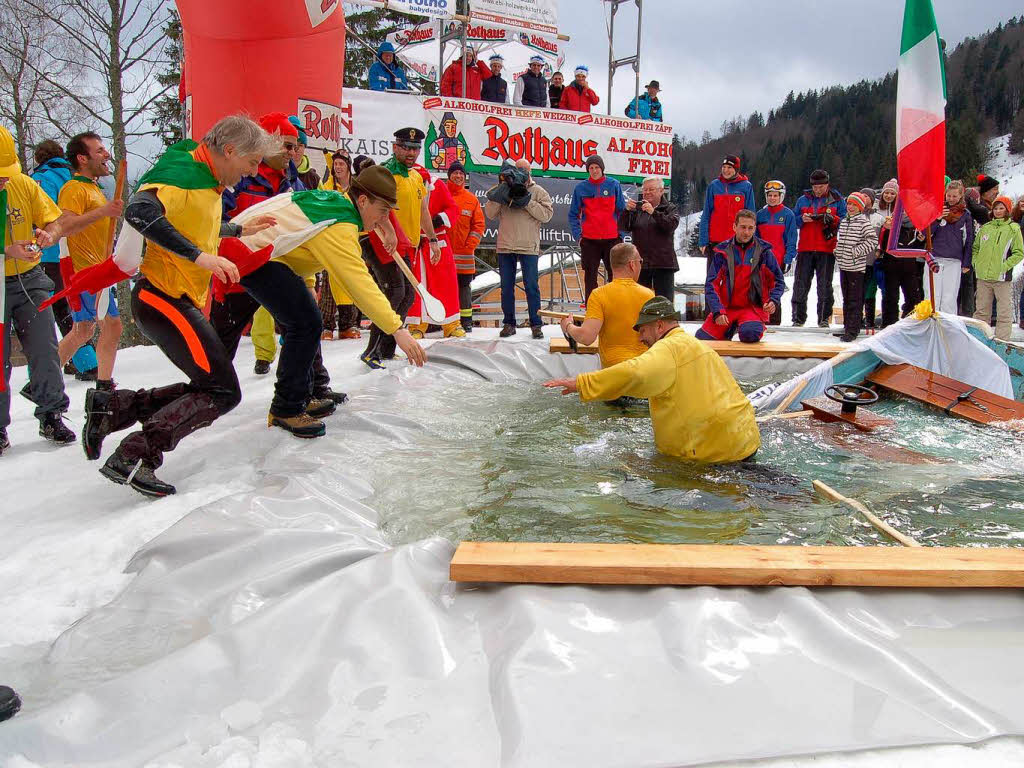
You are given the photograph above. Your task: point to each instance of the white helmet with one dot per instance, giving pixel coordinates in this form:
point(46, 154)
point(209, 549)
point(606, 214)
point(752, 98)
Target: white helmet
point(775, 186)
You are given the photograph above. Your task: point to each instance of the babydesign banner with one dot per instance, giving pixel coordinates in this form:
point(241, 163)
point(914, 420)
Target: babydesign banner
point(539, 16)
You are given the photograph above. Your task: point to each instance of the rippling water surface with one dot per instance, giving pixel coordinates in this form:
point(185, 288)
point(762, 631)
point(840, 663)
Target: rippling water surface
point(514, 462)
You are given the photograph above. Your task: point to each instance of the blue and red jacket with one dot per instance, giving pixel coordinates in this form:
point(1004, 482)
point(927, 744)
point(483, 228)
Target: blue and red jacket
point(255, 189)
point(741, 276)
point(724, 199)
point(777, 226)
point(812, 238)
point(595, 208)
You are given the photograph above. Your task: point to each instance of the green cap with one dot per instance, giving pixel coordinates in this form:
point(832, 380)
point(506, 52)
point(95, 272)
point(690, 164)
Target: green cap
point(658, 308)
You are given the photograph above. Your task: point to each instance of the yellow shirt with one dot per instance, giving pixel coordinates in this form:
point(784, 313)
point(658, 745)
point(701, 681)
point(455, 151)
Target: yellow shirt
point(79, 196)
point(697, 410)
point(195, 213)
point(411, 191)
point(617, 306)
point(28, 207)
point(337, 250)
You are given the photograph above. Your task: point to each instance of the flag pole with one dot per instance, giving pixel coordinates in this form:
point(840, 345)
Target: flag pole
point(931, 275)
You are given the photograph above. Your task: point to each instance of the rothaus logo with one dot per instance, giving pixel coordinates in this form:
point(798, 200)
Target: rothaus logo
point(538, 42)
point(532, 145)
point(415, 35)
point(323, 122)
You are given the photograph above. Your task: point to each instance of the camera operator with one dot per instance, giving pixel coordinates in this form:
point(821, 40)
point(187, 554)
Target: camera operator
point(818, 213)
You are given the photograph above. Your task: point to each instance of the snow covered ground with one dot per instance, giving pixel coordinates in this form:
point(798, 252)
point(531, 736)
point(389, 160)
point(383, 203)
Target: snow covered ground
point(68, 534)
point(1007, 168)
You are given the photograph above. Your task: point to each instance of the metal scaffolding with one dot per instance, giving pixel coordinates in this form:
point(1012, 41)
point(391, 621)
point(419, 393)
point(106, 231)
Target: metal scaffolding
point(634, 60)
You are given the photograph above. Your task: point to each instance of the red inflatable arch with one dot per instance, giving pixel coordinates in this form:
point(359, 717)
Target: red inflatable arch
point(259, 56)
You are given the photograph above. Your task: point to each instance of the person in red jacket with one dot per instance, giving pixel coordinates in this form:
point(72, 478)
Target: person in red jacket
point(466, 233)
point(438, 276)
point(578, 96)
point(727, 195)
point(476, 73)
point(818, 213)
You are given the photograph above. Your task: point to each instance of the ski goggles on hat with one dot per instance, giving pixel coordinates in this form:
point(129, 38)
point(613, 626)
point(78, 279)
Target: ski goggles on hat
point(774, 186)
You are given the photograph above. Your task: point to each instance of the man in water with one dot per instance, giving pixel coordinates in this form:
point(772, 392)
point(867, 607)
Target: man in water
point(611, 310)
point(697, 410)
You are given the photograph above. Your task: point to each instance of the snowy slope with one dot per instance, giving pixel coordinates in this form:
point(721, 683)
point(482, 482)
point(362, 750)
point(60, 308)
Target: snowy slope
point(1007, 168)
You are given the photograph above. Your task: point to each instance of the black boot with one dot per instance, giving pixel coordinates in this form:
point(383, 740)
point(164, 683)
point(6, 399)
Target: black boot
point(99, 412)
point(10, 703)
point(89, 375)
point(537, 331)
point(507, 330)
point(53, 428)
point(262, 367)
point(139, 475)
point(4, 442)
point(329, 394)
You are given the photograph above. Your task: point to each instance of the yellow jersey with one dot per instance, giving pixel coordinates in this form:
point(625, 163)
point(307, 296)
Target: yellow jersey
point(617, 305)
point(195, 213)
point(697, 409)
point(411, 191)
point(79, 196)
point(28, 207)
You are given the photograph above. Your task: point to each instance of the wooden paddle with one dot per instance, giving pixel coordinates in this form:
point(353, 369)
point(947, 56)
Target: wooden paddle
point(103, 297)
point(832, 494)
point(561, 315)
point(432, 307)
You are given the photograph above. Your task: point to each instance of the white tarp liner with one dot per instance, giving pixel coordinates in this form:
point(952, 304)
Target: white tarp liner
point(940, 344)
point(284, 610)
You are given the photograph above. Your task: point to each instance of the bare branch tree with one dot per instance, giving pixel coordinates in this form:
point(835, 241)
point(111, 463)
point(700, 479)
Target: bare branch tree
point(35, 107)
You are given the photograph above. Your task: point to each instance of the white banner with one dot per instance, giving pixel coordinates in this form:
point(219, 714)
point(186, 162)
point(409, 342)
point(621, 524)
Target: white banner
point(539, 16)
point(482, 136)
point(409, 37)
point(435, 9)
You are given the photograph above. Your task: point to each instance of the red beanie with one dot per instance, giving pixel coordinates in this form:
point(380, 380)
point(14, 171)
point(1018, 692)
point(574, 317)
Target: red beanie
point(277, 122)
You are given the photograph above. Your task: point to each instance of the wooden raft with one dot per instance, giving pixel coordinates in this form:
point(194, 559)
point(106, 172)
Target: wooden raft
point(737, 349)
point(830, 411)
point(723, 564)
point(940, 391)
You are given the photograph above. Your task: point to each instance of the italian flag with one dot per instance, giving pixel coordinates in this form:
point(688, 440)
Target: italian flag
point(921, 115)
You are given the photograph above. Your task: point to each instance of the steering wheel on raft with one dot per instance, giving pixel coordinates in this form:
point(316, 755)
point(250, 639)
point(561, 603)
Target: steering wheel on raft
point(850, 396)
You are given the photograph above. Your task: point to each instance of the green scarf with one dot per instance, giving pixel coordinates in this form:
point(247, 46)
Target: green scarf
point(325, 205)
point(85, 179)
point(176, 167)
point(396, 168)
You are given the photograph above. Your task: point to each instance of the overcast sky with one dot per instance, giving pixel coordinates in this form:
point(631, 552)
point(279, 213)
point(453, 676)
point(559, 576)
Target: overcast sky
point(720, 58)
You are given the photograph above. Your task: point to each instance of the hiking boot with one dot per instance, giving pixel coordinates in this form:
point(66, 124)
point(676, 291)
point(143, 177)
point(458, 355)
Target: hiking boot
point(300, 425)
point(53, 428)
point(261, 368)
point(98, 412)
point(372, 362)
point(329, 394)
point(327, 336)
point(507, 330)
point(70, 369)
point(350, 333)
point(4, 442)
point(318, 408)
point(10, 703)
point(537, 331)
point(823, 324)
point(797, 325)
point(139, 475)
point(89, 375)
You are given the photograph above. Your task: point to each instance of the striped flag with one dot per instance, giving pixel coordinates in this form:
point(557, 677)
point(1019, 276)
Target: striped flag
point(921, 115)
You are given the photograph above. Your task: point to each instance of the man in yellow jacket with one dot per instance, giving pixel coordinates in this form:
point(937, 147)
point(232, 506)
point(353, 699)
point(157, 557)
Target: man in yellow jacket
point(697, 409)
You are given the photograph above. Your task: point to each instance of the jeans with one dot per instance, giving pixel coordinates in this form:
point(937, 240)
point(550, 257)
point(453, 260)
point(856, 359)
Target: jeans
point(38, 336)
point(507, 269)
point(817, 265)
point(661, 281)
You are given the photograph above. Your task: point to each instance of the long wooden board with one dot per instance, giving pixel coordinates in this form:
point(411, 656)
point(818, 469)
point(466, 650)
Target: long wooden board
point(738, 349)
point(940, 391)
point(723, 564)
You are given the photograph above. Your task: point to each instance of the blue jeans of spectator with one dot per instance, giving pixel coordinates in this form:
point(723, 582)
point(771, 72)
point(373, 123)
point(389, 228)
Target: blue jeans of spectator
point(507, 269)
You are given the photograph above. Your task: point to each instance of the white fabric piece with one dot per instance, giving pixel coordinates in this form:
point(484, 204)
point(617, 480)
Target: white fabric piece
point(128, 250)
point(940, 344)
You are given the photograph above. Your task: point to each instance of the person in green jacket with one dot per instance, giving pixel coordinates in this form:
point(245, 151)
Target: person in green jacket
point(998, 248)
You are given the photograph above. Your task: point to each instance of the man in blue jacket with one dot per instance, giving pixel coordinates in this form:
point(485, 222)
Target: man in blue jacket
point(727, 195)
point(594, 212)
point(52, 172)
point(386, 74)
point(818, 213)
point(646, 106)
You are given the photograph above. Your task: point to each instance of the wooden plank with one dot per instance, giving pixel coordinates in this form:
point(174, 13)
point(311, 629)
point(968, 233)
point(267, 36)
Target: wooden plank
point(723, 564)
point(737, 349)
point(940, 391)
point(830, 493)
point(830, 411)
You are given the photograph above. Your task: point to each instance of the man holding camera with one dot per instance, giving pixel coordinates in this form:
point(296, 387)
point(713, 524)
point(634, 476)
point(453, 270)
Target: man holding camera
point(818, 213)
point(520, 207)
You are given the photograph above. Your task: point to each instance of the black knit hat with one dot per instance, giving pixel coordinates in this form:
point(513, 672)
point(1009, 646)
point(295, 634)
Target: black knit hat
point(360, 162)
point(732, 160)
point(456, 166)
point(985, 183)
point(820, 176)
point(595, 160)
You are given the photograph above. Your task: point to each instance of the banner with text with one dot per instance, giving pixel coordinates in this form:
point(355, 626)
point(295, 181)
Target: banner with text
point(540, 16)
point(434, 9)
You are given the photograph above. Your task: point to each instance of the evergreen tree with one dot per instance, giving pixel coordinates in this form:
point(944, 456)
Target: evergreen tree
point(168, 110)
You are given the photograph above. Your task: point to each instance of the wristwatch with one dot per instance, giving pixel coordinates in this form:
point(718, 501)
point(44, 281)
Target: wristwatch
point(433, 239)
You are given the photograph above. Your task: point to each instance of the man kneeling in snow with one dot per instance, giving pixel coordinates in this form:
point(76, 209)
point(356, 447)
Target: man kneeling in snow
point(743, 271)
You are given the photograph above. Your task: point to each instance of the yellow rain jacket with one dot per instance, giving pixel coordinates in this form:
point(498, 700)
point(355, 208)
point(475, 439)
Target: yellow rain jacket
point(697, 409)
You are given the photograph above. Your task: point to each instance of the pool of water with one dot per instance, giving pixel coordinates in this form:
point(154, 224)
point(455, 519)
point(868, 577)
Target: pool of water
point(514, 462)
